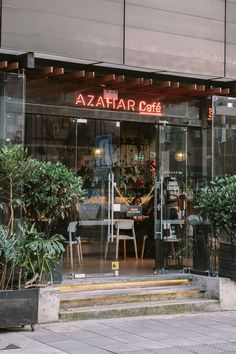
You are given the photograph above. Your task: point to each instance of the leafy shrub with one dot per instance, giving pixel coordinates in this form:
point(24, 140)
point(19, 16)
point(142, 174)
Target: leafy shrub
point(42, 193)
point(217, 203)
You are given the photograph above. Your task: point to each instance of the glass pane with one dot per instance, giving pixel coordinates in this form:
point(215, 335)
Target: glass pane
point(173, 171)
point(12, 110)
point(134, 190)
point(224, 136)
point(12, 104)
point(223, 152)
point(90, 148)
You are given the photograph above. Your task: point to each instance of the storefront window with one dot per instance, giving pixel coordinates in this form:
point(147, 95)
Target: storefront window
point(98, 136)
point(224, 136)
point(12, 105)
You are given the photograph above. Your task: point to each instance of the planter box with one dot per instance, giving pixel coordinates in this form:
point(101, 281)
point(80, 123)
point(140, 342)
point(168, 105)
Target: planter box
point(201, 257)
point(19, 307)
point(227, 261)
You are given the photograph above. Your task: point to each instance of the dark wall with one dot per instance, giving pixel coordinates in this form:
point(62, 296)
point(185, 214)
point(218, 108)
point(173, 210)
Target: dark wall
point(176, 35)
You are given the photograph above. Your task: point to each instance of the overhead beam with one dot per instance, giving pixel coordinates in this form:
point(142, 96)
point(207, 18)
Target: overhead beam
point(39, 73)
point(3, 64)
point(27, 60)
point(10, 67)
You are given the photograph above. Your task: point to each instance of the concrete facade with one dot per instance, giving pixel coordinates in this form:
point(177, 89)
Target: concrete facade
point(49, 304)
point(195, 38)
point(220, 288)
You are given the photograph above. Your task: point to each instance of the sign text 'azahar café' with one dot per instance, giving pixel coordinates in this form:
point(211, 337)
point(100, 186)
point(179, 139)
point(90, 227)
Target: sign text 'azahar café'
point(112, 102)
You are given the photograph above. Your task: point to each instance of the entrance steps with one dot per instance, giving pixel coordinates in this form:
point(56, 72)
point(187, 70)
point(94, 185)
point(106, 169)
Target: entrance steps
point(120, 297)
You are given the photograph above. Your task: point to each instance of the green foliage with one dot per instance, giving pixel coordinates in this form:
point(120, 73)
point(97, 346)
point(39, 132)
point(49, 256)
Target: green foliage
point(28, 252)
point(43, 193)
point(217, 203)
point(13, 170)
point(40, 255)
point(49, 193)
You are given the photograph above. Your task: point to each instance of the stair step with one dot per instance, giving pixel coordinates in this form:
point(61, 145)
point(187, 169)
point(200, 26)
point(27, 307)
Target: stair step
point(140, 309)
point(119, 284)
point(125, 295)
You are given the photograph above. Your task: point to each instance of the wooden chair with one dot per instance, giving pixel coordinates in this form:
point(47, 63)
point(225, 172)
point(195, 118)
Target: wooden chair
point(121, 226)
point(72, 229)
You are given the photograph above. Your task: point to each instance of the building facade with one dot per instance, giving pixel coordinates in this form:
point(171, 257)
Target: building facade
point(135, 96)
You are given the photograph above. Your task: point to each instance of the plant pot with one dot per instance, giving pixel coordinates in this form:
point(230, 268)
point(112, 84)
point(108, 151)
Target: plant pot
point(201, 257)
point(227, 261)
point(19, 307)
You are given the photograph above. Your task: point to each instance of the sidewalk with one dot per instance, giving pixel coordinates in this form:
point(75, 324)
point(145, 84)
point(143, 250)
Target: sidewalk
point(203, 333)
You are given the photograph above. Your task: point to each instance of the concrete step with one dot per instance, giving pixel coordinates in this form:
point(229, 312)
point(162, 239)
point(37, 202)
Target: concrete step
point(140, 309)
point(119, 283)
point(128, 295)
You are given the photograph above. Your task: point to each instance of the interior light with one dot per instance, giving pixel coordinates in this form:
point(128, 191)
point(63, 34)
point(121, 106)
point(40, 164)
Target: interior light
point(97, 152)
point(180, 156)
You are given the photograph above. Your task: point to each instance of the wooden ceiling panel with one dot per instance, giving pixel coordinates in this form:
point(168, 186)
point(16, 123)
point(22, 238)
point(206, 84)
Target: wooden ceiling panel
point(3, 64)
point(56, 79)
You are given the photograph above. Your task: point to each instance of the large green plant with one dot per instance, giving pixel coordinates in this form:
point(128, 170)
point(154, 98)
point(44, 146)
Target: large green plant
point(50, 193)
point(14, 168)
point(27, 254)
point(42, 193)
point(217, 203)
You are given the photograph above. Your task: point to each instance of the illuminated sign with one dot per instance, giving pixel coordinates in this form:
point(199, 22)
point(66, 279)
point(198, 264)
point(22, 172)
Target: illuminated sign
point(209, 110)
point(209, 114)
point(153, 108)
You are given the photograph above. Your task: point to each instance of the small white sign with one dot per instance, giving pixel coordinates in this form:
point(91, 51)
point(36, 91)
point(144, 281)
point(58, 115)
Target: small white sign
point(82, 120)
point(116, 207)
point(110, 94)
point(79, 275)
point(152, 154)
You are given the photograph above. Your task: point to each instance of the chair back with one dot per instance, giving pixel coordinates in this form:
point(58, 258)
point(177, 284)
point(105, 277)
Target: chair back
point(126, 224)
point(72, 227)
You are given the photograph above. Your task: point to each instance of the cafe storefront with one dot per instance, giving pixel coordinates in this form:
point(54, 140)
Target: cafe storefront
point(127, 136)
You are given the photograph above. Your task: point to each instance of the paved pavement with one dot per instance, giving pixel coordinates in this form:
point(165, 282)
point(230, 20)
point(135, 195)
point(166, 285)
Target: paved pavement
point(203, 333)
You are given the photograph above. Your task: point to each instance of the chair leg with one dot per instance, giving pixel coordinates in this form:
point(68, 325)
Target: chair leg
point(117, 249)
point(81, 253)
point(67, 252)
point(106, 250)
point(78, 253)
point(135, 249)
point(125, 249)
point(71, 258)
point(143, 246)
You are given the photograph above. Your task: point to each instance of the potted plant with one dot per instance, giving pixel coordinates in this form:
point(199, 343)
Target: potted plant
point(34, 195)
point(217, 203)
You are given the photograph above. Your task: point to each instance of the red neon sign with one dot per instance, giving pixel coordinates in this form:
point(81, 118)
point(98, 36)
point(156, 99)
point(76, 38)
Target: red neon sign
point(142, 107)
point(209, 114)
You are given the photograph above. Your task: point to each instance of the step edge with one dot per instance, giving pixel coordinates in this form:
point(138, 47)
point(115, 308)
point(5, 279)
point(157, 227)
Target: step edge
point(64, 288)
point(190, 292)
point(139, 305)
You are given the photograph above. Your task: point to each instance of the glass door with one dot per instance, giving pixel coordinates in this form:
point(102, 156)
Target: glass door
point(132, 190)
point(98, 151)
point(91, 148)
point(171, 198)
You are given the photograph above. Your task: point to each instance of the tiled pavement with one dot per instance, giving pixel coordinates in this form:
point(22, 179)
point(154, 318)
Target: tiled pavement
point(203, 333)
